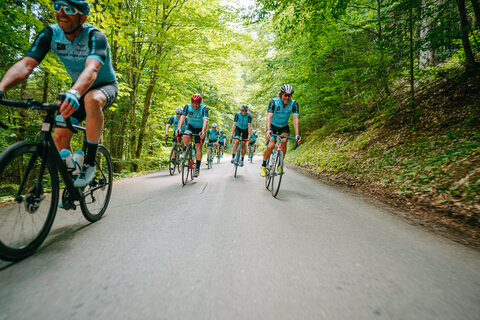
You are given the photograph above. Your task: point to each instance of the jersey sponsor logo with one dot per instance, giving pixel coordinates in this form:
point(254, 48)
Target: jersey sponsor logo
point(61, 46)
point(190, 113)
point(278, 108)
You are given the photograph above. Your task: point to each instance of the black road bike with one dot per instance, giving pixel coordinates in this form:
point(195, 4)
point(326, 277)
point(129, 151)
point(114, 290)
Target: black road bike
point(238, 157)
point(174, 160)
point(29, 186)
point(273, 179)
point(189, 159)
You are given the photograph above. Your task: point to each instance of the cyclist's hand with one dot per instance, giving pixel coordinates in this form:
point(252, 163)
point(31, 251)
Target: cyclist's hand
point(269, 134)
point(202, 135)
point(298, 138)
point(69, 105)
point(165, 136)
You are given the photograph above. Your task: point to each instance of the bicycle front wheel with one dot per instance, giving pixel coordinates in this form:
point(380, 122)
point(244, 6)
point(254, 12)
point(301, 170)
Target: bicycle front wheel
point(96, 195)
point(268, 177)
point(28, 199)
point(172, 162)
point(187, 156)
point(277, 173)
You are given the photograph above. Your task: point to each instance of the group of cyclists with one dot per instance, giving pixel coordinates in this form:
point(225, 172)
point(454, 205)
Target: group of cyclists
point(85, 53)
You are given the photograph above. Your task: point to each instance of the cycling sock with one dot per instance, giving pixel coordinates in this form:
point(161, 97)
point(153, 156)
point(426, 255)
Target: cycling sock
point(91, 152)
point(264, 163)
point(198, 164)
point(243, 157)
point(233, 155)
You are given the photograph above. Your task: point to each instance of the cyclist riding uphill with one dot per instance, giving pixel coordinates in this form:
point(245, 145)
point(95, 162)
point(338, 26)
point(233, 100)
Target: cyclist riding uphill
point(253, 140)
point(279, 110)
point(242, 128)
point(212, 136)
point(197, 116)
point(221, 140)
point(85, 53)
point(174, 120)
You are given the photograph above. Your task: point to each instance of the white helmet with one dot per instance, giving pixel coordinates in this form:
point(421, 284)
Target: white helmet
point(214, 125)
point(179, 110)
point(286, 88)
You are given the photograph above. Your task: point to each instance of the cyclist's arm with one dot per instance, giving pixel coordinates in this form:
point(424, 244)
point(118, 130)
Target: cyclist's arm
point(269, 121)
point(17, 73)
point(249, 131)
point(167, 128)
point(181, 121)
point(296, 126)
point(233, 129)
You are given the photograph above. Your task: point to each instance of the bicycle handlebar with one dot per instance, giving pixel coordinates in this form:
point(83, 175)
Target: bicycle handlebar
point(283, 137)
point(36, 105)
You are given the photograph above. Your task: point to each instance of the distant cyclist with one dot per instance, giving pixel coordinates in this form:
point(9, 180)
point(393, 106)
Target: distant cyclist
point(196, 115)
point(85, 53)
point(253, 140)
point(242, 128)
point(221, 141)
point(174, 120)
point(212, 136)
point(279, 110)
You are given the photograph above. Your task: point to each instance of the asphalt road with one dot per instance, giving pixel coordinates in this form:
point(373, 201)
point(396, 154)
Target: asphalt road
point(224, 248)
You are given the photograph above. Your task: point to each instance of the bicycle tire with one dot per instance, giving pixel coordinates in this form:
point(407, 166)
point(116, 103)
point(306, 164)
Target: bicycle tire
point(25, 224)
point(172, 162)
point(210, 159)
point(268, 177)
point(97, 193)
point(186, 165)
point(277, 173)
point(177, 159)
point(236, 161)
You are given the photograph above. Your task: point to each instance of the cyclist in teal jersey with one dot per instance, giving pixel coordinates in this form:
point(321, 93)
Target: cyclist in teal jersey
point(196, 114)
point(242, 128)
point(253, 140)
point(221, 140)
point(279, 110)
point(212, 136)
point(85, 53)
point(174, 120)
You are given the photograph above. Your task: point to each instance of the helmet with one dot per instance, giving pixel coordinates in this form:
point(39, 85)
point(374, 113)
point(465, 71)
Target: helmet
point(196, 97)
point(82, 5)
point(244, 107)
point(214, 125)
point(179, 110)
point(221, 131)
point(254, 131)
point(286, 88)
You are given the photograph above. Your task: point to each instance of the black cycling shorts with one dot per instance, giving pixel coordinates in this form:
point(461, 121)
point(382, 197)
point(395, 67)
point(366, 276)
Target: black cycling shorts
point(193, 130)
point(280, 130)
point(110, 91)
point(241, 133)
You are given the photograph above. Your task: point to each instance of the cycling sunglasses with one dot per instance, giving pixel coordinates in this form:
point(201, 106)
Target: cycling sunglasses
point(68, 9)
point(287, 95)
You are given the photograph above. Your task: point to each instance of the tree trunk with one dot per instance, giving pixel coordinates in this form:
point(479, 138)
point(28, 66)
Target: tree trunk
point(412, 75)
point(426, 55)
point(469, 57)
point(146, 110)
point(476, 10)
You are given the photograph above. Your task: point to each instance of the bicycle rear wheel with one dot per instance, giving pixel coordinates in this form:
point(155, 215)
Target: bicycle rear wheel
point(96, 195)
point(25, 220)
point(187, 156)
point(277, 173)
point(172, 162)
point(178, 160)
point(210, 159)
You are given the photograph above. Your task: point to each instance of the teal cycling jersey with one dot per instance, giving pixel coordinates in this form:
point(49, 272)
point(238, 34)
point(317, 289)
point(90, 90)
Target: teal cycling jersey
point(242, 120)
point(212, 134)
point(253, 137)
point(221, 138)
point(174, 121)
point(195, 117)
point(91, 43)
point(281, 113)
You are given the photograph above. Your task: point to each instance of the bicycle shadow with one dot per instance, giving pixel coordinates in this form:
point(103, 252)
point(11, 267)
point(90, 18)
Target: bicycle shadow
point(55, 237)
point(160, 175)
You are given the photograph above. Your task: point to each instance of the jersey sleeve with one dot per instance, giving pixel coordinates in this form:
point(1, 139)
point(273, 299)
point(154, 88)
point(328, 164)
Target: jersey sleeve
point(249, 119)
point(185, 110)
point(97, 43)
point(235, 119)
point(295, 108)
point(271, 106)
point(40, 47)
point(170, 121)
point(205, 113)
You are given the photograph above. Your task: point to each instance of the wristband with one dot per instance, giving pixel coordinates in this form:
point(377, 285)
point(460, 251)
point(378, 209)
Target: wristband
point(76, 93)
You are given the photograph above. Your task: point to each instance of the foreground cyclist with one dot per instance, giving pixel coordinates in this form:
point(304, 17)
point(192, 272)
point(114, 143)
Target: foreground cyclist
point(242, 128)
point(196, 115)
point(85, 53)
point(279, 110)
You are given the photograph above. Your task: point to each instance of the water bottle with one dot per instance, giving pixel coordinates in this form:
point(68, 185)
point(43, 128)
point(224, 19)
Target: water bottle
point(66, 156)
point(78, 158)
